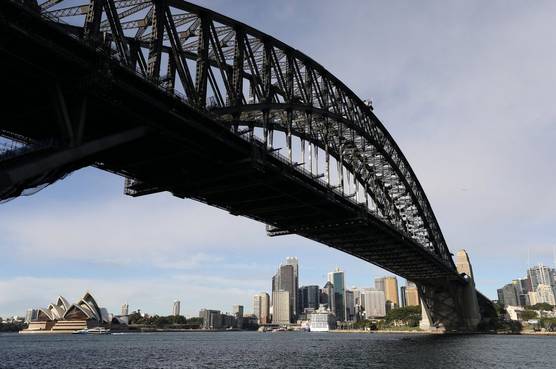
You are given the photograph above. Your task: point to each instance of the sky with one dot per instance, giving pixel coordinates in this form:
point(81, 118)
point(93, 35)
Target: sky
point(465, 88)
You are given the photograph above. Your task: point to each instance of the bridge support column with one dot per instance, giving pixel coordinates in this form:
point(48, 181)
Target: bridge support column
point(450, 306)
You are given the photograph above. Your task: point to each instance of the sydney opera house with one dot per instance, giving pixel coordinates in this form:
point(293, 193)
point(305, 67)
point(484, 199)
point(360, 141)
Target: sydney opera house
point(61, 317)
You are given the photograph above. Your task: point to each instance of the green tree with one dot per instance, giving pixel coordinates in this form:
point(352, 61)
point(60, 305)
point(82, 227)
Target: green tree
point(541, 306)
point(408, 315)
point(528, 314)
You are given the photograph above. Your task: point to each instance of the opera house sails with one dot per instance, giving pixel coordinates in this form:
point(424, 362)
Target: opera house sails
point(61, 317)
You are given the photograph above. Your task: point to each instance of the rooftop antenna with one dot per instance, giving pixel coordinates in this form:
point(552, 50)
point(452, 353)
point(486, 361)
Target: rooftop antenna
point(528, 258)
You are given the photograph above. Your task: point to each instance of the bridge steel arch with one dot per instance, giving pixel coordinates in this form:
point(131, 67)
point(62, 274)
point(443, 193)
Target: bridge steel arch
point(232, 75)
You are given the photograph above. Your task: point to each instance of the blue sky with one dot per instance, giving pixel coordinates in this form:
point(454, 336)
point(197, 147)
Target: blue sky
point(465, 88)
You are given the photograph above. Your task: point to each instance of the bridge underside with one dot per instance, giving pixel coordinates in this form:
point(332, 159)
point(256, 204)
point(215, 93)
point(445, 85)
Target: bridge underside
point(69, 106)
point(167, 146)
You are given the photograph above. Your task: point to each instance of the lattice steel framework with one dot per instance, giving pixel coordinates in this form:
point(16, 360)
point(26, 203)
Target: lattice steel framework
point(251, 81)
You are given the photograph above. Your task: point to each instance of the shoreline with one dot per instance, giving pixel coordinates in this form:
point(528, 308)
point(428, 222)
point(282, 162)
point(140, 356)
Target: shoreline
point(343, 331)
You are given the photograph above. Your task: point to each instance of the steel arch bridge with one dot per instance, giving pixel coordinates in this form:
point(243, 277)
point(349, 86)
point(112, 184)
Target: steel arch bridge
point(175, 97)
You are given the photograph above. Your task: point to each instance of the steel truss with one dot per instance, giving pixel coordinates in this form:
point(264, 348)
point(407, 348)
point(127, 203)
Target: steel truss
point(249, 80)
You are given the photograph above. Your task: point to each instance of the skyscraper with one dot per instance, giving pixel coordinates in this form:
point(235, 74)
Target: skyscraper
point(403, 296)
point(389, 285)
point(176, 308)
point(463, 264)
point(350, 306)
point(540, 274)
point(379, 284)
point(507, 295)
point(284, 280)
point(309, 298)
point(337, 279)
point(125, 309)
point(281, 307)
point(327, 297)
point(521, 286)
point(292, 260)
point(261, 307)
point(411, 294)
point(545, 293)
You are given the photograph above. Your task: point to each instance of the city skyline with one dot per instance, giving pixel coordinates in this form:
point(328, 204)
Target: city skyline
point(206, 252)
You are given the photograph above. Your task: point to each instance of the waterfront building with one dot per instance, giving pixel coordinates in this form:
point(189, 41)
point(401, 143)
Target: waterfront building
point(463, 264)
point(507, 295)
point(374, 303)
point(124, 310)
point(296, 309)
point(327, 296)
point(281, 307)
point(284, 280)
point(412, 294)
point(261, 307)
point(388, 285)
point(238, 311)
point(337, 279)
point(309, 297)
point(63, 317)
point(176, 308)
point(322, 320)
point(514, 312)
point(212, 319)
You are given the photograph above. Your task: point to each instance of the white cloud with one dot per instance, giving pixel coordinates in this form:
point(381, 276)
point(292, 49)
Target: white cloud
point(167, 231)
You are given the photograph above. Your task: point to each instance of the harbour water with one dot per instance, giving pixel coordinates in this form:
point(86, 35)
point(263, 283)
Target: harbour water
point(275, 350)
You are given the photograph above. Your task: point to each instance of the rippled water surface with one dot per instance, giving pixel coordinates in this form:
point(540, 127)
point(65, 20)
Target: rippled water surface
point(275, 350)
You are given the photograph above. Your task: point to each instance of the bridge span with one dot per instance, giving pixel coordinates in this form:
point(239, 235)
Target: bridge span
point(175, 97)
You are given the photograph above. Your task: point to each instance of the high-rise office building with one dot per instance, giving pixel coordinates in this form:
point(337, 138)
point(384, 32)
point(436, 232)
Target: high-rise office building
point(412, 294)
point(389, 285)
point(374, 303)
point(237, 310)
point(176, 308)
point(507, 295)
point(309, 298)
point(403, 296)
point(124, 310)
point(281, 308)
point(284, 280)
point(356, 295)
point(337, 279)
point(350, 306)
point(463, 264)
point(327, 297)
point(522, 291)
point(261, 307)
point(379, 284)
point(292, 260)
